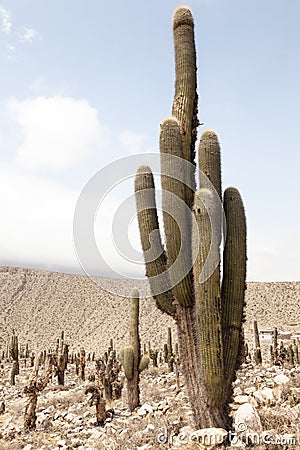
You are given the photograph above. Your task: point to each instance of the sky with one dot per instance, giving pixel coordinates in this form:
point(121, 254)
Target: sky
point(85, 84)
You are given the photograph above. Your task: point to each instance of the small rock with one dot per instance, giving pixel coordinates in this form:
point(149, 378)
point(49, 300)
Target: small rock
point(281, 379)
point(237, 391)
point(240, 399)
point(247, 419)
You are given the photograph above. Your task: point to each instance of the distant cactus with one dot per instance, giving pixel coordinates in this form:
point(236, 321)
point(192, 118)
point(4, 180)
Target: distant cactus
point(257, 349)
point(291, 355)
point(170, 351)
point(60, 361)
point(35, 384)
point(153, 354)
point(14, 351)
point(130, 355)
point(98, 401)
point(81, 373)
point(13, 373)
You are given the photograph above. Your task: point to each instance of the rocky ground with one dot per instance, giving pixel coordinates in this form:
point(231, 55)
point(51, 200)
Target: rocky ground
point(266, 412)
point(39, 304)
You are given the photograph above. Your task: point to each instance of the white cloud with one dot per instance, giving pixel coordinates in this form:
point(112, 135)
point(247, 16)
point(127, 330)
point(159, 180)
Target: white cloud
point(5, 20)
point(134, 142)
point(273, 255)
point(28, 35)
point(36, 224)
point(9, 51)
point(56, 132)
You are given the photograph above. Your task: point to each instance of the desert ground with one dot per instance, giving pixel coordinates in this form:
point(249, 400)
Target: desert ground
point(38, 305)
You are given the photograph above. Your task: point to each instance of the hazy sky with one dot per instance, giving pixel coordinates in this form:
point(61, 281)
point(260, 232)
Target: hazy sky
point(84, 83)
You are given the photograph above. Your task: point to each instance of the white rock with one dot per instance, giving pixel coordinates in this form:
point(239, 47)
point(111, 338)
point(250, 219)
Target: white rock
point(247, 419)
point(268, 393)
point(28, 447)
point(141, 412)
point(240, 399)
point(70, 417)
point(147, 407)
point(281, 379)
point(150, 427)
point(237, 391)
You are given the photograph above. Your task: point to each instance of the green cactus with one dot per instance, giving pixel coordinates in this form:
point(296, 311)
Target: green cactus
point(275, 346)
point(144, 362)
point(170, 351)
point(185, 283)
point(14, 351)
point(131, 359)
point(257, 349)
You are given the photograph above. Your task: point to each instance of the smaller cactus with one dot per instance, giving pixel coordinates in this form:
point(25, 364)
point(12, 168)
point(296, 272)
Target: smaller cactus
point(130, 355)
point(275, 346)
point(257, 350)
point(98, 401)
point(14, 351)
point(34, 386)
point(81, 373)
point(144, 362)
point(60, 361)
point(291, 359)
point(170, 351)
point(13, 373)
point(153, 354)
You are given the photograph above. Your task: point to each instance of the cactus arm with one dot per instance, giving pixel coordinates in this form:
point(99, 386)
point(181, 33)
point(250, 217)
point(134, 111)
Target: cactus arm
point(208, 299)
point(176, 215)
point(133, 388)
point(234, 280)
point(185, 98)
point(209, 158)
point(154, 254)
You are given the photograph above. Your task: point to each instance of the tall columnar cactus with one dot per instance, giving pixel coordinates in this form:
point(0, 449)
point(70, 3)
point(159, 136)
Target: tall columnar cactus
point(257, 349)
point(132, 361)
point(275, 345)
point(14, 351)
point(35, 384)
point(185, 278)
point(170, 351)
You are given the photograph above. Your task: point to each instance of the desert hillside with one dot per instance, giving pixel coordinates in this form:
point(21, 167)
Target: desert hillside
point(38, 304)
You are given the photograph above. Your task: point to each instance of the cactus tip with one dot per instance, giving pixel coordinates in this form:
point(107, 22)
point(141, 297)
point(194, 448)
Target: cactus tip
point(144, 168)
point(170, 122)
point(182, 16)
point(135, 293)
point(209, 135)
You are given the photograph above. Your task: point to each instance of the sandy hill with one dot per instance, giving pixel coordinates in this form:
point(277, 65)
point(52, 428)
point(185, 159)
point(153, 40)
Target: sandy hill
point(38, 304)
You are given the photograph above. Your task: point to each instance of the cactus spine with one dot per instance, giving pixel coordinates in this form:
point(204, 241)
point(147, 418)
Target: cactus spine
point(208, 312)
